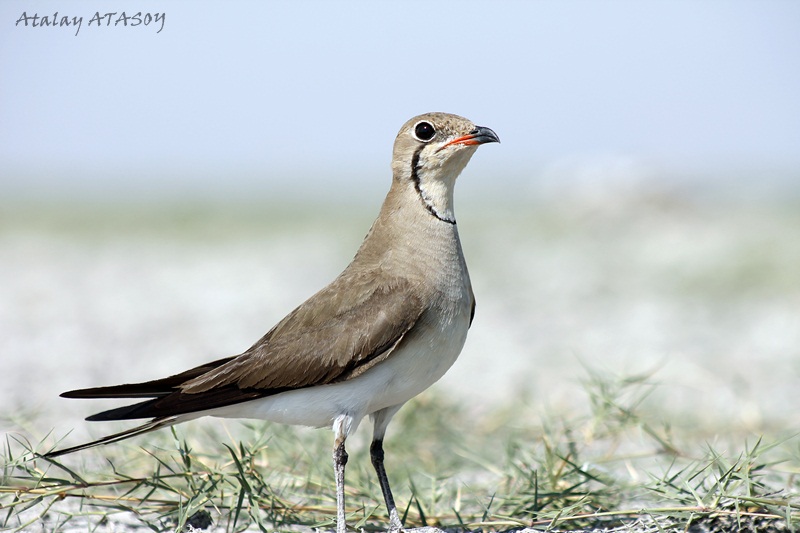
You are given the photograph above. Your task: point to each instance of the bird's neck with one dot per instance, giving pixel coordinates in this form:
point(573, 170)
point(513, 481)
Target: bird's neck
point(424, 206)
point(407, 232)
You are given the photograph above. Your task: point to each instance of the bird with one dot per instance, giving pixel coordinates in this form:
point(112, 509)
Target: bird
point(387, 328)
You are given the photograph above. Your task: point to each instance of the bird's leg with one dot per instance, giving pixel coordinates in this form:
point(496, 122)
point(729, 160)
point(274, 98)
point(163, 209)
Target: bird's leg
point(339, 460)
point(380, 420)
point(342, 426)
point(376, 454)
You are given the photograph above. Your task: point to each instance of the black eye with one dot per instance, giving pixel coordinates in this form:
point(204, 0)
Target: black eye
point(424, 131)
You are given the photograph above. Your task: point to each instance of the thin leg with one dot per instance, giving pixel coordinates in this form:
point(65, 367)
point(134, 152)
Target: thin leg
point(342, 427)
point(380, 420)
point(339, 460)
point(376, 454)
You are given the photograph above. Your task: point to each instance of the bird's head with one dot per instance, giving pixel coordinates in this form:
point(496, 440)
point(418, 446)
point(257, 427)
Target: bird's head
point(431, 150)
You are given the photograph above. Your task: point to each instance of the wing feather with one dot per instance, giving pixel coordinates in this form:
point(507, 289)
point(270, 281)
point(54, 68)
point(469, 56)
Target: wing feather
point(339, 333)
point(148, 389)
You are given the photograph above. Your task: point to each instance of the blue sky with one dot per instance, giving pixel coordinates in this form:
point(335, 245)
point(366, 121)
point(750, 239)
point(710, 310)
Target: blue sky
point(237, 96)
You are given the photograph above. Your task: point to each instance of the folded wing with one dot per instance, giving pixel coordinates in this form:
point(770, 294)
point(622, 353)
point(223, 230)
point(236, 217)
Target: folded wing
point(334, 336)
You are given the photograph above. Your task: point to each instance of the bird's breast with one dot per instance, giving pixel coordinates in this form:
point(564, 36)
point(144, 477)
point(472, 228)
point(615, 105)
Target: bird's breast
point(421, 359)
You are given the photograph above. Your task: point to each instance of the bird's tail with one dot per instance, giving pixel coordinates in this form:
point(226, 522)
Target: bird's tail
point(153, 425)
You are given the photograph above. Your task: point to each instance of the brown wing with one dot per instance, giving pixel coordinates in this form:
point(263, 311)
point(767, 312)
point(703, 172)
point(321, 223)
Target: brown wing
point(339, 333)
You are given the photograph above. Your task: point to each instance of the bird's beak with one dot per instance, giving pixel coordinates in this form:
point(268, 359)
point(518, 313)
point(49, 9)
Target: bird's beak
point(479, 135)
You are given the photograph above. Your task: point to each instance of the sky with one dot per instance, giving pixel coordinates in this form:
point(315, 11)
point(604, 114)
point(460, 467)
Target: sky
point(238, 98)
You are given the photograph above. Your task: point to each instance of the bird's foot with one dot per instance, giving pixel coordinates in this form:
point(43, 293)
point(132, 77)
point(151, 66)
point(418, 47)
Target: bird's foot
point(395, 525)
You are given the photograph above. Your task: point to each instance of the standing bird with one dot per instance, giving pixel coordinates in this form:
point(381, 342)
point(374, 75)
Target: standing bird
point(382, 332)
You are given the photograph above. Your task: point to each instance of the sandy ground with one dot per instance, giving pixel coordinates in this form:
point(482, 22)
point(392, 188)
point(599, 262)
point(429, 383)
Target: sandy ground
point(126, 524)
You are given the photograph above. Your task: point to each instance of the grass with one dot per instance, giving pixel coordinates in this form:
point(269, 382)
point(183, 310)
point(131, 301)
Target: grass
point(450, 467)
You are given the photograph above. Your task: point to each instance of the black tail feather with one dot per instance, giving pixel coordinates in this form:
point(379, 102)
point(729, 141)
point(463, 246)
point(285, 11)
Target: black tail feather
point(179, 403)
point(127, 412)
point(138, 430)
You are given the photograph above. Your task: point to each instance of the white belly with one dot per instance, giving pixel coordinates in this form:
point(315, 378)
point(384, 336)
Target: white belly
point(413, 367)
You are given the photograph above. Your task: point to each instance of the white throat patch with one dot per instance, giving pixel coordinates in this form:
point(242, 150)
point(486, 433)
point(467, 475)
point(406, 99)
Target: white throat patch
point(436, 175)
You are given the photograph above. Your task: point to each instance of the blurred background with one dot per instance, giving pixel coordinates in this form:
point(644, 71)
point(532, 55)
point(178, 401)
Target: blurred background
point(166, 197)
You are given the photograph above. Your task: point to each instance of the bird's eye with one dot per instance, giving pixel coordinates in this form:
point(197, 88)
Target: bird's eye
point(424, 131)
